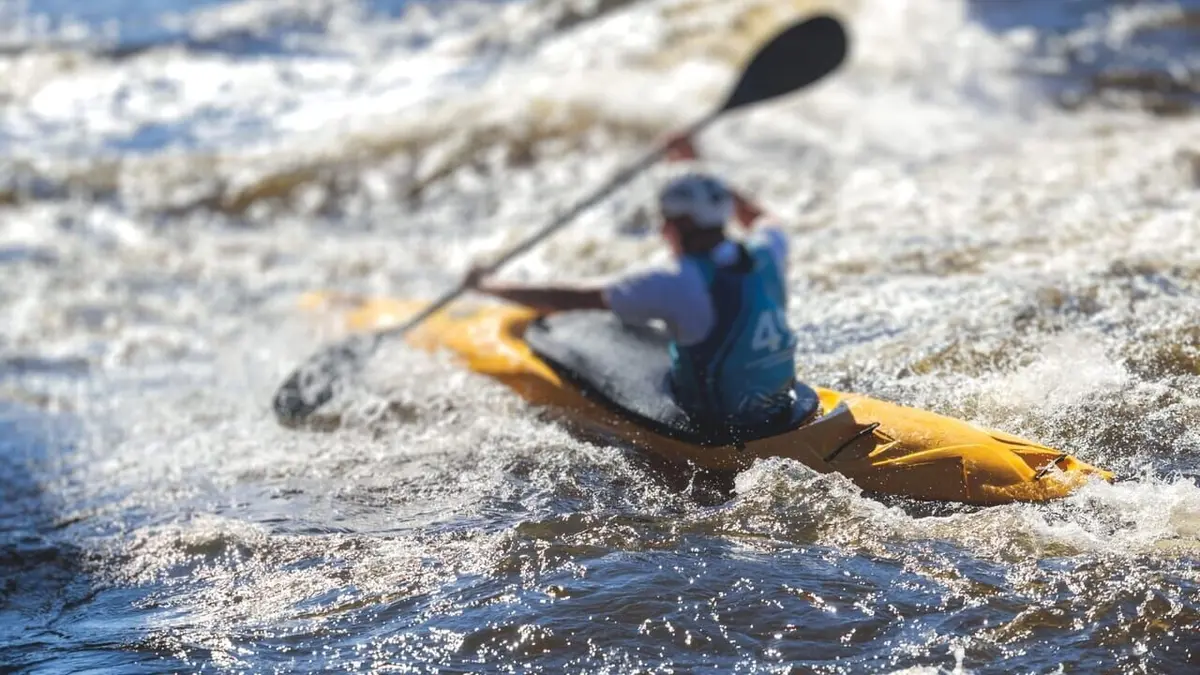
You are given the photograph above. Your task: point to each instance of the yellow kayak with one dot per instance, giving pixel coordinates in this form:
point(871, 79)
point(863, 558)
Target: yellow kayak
point(612, 390)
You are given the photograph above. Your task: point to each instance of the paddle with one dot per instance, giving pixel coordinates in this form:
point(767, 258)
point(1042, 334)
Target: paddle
point(793, 59)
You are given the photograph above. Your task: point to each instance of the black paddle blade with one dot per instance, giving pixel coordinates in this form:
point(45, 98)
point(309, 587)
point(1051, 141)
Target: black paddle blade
point(795, 58)
point(313, 384)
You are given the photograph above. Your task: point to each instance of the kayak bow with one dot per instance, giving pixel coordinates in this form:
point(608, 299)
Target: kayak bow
point(882, 447)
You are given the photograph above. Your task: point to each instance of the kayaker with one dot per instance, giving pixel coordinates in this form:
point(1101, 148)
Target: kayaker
point(723, 302)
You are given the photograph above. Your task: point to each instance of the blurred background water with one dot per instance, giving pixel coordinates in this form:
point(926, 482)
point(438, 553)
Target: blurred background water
point(993, 209)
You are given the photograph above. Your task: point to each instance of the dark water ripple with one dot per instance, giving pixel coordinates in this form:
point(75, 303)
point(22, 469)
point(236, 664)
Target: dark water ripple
point(474, 537)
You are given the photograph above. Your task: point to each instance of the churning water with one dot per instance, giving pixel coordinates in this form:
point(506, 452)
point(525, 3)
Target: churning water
point(994, 217)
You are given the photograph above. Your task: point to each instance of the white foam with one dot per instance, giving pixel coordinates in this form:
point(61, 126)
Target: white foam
point(1069, 368)
point(929, 189)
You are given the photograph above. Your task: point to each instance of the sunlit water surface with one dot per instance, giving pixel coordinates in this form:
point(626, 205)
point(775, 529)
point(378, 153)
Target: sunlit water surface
point(994, 217)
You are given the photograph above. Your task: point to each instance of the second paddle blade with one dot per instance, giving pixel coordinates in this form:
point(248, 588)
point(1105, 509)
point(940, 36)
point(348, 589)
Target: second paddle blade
point(795, 58)
point(317, 380)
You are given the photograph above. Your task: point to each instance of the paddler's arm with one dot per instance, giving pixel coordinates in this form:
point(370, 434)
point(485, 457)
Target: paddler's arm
point(545, 299)
point(747, 212)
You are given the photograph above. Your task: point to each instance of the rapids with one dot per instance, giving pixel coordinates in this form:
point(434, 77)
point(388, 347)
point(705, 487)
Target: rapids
point(993, 213)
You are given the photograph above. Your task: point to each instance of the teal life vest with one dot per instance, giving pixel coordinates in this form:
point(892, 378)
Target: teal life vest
point(744, 371)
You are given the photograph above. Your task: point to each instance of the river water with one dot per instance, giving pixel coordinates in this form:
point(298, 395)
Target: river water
point(993, 210)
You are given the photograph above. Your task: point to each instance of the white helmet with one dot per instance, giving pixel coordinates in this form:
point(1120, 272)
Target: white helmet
point(702, 198)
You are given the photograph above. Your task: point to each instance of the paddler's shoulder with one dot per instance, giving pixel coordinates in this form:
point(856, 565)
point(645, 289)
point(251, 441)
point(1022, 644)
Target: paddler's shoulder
point(662, 277)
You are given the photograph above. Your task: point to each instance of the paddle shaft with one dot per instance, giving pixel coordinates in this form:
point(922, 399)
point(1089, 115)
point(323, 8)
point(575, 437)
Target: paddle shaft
point(629, 173)
point(795, 58)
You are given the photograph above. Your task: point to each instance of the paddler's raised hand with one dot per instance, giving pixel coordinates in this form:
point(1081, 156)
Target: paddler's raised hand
point(681, 149)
